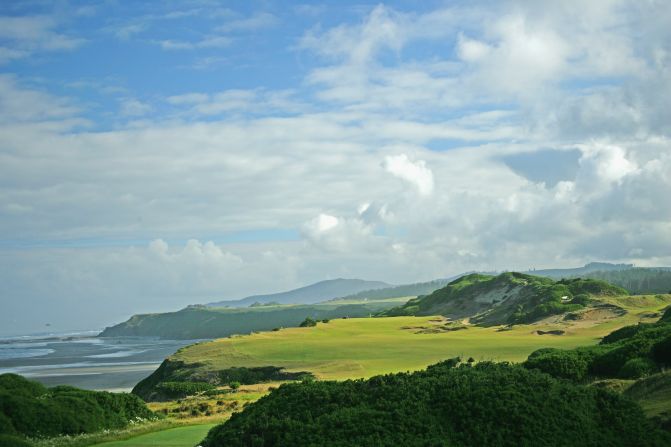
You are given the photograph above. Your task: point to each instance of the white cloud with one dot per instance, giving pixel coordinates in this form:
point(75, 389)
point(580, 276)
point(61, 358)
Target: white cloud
point(188, 98)
point(255, 22)
point(608, 162)
point(416, 173)
point(236, 101)
point(471, 50)
point(323, 222)
point(315, 161)
point(28, 35)
point(359, 44)
point(341, 234)
point(134, 107)
point(212, 41)
point(127, 31)
point(22, 104)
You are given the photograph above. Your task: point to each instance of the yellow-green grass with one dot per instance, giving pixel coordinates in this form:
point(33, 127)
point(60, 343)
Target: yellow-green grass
point(363, 347)
point(658, 405)
point(187, 436)
point(203, 408)
point(653, 393)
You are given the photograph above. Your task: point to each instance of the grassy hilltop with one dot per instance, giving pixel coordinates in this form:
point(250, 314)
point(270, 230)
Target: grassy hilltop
point(556, 397)
point(509, 298)
point(364, 347)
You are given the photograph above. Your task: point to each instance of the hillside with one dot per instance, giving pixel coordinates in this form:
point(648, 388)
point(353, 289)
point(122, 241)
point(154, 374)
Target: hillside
point(199, 322)
point(416, 289)
point(627, 353)
point(482, 403)
point(314, 293)
point(509, 298)
point(653, 393)
point(363, 347)
point(637, 280)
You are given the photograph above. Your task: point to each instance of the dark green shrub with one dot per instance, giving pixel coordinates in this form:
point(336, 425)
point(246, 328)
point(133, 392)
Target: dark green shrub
point(484, 405)
point(13, 441)
point(183, 389)
point(624, 333)
point(30, 409)
point(572, 365)
point(258, 374)
point(308, 322)
point(637, 367)
point(6, 425)
point(582, 298)
point(661, 352)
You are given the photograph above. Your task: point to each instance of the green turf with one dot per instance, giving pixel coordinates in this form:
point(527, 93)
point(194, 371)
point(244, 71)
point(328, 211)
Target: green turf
point(363, 347)
point(653, 393)
point(187, 436)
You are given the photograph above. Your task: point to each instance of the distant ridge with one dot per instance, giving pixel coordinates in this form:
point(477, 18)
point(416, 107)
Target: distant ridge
point(311, 294)
point(637, 280)
point(415, 289)
point(580, 271)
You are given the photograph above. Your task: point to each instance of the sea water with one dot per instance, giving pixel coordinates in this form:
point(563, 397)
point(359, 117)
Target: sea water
point(84, 360)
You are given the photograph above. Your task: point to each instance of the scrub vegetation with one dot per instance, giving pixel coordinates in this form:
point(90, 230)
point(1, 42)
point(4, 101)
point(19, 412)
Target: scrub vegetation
point(28, 409)
point(488, 404)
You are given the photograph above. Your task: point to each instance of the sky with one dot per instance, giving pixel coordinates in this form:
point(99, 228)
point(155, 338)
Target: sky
point(159, 154)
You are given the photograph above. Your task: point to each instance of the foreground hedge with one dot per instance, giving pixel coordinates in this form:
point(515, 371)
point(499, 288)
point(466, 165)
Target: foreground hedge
point(486, 405)
point(28, 408)
point(628, 353)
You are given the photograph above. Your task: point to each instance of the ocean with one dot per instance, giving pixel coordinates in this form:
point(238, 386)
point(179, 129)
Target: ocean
point(83, 360)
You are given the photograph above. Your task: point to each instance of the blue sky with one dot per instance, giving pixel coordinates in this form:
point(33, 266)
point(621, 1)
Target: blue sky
point(158, 154)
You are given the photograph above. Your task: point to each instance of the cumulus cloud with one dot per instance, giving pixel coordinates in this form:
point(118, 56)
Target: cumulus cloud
point(607, 162)
point(329, 171)
point(416, 173)
point(472, 50)
point(338, 234)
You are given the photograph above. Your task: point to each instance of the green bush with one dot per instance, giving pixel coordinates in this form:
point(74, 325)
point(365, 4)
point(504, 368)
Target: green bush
point(624, 333)
point(182, 389)
point(30, 409)
point(661, 352)
point(258, 374)
point(572, 365)
point(582, 298)
point(637, 367)
point(484, 405)
point(308, 322)
point(13, 441)
point(628, 352)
